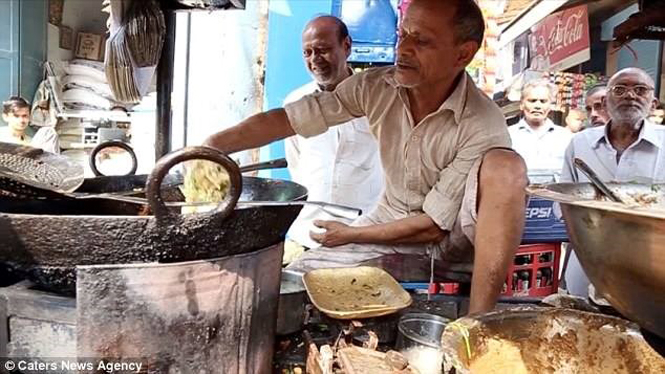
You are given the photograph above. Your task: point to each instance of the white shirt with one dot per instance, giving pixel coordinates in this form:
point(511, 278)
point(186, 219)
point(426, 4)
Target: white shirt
point(45, 138)
point(340, 166)
point(643, 161)
point(541, 149)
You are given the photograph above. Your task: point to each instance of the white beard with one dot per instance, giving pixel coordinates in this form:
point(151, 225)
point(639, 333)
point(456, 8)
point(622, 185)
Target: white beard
point(629, 115)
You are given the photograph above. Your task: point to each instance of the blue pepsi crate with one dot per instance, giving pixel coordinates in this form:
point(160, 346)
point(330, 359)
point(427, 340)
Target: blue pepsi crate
point(542, 225)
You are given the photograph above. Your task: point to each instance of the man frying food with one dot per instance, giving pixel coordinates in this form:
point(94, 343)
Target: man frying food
point(453, 185)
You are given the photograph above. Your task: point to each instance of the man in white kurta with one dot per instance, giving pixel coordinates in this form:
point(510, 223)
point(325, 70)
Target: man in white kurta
point(342, 165)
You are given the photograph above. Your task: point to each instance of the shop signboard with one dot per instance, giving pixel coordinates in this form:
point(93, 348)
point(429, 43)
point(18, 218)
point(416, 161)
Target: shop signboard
point(561, 40)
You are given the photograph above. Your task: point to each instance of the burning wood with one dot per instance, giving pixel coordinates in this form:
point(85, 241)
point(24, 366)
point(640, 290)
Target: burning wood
point(345, 358)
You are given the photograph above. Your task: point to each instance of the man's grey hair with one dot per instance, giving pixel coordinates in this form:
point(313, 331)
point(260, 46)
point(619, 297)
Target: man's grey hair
point(595, 89)
point(542, 82)
point(468, 22)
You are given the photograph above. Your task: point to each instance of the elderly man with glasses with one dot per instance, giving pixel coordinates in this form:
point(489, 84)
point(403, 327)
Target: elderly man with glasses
point(628, 148)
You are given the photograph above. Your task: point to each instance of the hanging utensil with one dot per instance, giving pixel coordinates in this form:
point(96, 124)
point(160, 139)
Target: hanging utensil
point(593, 177)
point(272, 164)
point(112, 144)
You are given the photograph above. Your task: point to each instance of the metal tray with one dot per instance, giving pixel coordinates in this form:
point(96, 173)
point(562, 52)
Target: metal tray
point(359, 292)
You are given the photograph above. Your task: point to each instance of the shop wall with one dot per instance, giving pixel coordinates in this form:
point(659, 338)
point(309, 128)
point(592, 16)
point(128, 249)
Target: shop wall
point(662, 75)
point(598, 49)
point(80, 16)
point(9, 49)
point(648, 51)
point(219, 81)
point(22, 47)
point(285, 69)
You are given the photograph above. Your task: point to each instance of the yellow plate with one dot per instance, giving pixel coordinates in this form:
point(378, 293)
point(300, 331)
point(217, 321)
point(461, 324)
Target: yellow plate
point(359, 292)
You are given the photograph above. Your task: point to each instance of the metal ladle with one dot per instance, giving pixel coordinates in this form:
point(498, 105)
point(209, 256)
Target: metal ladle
point(593, 177)
point(333, 209)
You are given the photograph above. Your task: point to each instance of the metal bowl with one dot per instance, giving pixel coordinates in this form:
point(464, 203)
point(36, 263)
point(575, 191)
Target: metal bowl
point(621, 247)
point(547, 340)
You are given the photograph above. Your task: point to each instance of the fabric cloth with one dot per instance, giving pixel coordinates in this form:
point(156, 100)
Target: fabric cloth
point(457, 247)
point(86, 82)
point(340, 166)
point(43, 112)
point(6, 137)
point(45, 138)
point(92, 69)
point(541, 149)
point(643, 162)
point(426, 164)
point(81, 98)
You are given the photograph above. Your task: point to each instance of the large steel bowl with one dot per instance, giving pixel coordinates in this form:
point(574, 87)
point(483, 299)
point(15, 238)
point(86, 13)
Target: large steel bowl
point(621, 247)
point(547, 340)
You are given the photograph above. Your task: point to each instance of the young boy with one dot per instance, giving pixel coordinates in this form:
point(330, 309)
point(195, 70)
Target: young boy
point(16, 113)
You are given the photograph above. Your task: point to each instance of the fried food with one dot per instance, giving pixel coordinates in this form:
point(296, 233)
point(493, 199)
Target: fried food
point(205, 181)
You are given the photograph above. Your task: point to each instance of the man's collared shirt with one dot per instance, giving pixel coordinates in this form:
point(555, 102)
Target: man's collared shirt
point(340, 166)
point(541, 149)
point(426, 164)
point(643, 161)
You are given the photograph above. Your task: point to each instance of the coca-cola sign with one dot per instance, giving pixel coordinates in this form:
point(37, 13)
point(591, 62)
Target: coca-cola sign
point(561, 40)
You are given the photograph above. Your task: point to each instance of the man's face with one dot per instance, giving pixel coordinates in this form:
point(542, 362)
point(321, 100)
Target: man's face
point(18, 120)
point(575, 120)
point(426, 50)
point(536, 105)
point(324, 53)
point(595, 109)
point(629, 98)
point(657, 116)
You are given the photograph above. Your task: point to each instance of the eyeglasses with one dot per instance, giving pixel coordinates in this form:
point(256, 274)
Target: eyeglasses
point(640, 90)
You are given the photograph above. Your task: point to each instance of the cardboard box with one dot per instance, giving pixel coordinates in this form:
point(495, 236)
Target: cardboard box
point(90, 46)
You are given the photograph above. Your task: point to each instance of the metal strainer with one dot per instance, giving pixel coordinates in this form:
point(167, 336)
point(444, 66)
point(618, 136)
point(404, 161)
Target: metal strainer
point(28, 171)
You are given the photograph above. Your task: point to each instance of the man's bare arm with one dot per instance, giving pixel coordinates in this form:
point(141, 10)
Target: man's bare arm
point(410, 230)
point(256, 131)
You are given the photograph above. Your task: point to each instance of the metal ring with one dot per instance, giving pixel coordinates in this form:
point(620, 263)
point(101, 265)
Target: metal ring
point(112, 143)
point(164, 164)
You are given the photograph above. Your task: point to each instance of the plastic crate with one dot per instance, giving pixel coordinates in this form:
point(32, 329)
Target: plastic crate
point(534, 271)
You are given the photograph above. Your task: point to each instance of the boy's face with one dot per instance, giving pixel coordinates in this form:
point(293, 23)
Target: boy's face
point(19, 119)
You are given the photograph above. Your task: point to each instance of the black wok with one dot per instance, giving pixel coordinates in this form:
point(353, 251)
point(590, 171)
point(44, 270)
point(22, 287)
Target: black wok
point(126, 184)
point(46, 239)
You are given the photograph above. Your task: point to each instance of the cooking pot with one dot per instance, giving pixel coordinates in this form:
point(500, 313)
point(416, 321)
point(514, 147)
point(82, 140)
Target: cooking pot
point(47, 239)
point(291, 311)
point(621, 247)
point(547, 340)
point(132, 184)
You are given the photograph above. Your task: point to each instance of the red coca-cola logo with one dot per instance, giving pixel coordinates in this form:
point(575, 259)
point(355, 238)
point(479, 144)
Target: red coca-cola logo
point(566, 32)
point(560, 35)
